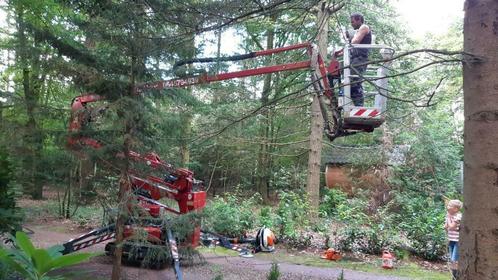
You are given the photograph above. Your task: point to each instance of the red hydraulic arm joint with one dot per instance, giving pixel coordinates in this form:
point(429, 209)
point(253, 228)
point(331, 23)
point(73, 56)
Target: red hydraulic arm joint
point(178, 184)
point(322, 69)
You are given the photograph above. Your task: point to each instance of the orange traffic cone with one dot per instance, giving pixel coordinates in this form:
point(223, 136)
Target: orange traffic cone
point(387, 260)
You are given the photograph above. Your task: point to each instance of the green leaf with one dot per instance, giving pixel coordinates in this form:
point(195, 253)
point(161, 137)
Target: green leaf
point(5, 257)
point(20, 257)
point(68, 260)
point(41, 260)
point(24, 243)
point(55, 251)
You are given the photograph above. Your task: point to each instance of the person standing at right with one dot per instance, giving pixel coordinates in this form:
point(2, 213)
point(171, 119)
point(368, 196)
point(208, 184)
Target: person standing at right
point(452, 227)
point(359, 56)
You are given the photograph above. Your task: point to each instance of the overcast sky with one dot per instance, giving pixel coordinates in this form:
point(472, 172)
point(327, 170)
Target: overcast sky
point(433, 16)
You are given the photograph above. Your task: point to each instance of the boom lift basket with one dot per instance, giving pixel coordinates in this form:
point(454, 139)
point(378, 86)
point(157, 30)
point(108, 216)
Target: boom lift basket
point(365, 117)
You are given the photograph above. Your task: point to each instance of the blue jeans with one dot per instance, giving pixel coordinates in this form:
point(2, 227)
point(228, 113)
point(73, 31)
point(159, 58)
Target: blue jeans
point(356, 83)
point(453, 250)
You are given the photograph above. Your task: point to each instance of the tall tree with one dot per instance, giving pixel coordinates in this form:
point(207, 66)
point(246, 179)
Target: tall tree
point(479, 230)
point(186, 110)
point(28, 57)
point(315, 152)
point(263, 165)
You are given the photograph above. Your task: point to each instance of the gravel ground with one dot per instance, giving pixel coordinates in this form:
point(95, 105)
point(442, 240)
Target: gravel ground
point(229, 267)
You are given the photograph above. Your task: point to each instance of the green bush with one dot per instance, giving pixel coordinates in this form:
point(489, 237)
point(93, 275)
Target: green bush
point(292, 219)
point(266, 217)
point(10, 216)
point(292, 213)
point(230, 215)
point(353, 212)
point(299, 240)
point(409, 220)
point(422, 219)
point(369, 239)
point(288, 178)
point(354, 238)
point(331, 200)
point(365, 233)
point(233, 216)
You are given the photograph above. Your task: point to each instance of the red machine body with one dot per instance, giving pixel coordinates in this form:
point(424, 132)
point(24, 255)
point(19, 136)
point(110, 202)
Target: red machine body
point(179, 184)
point(180, 181)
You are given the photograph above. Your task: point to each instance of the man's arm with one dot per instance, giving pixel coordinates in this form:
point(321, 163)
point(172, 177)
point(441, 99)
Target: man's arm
point(362, 31)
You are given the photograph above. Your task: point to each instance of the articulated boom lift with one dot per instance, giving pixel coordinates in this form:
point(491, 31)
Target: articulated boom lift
point(341, 118)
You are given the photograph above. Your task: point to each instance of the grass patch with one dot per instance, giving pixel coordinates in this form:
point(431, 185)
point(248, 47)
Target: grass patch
point(88, 215)
point(41, 209)
point(408, 270)
point(217, 250)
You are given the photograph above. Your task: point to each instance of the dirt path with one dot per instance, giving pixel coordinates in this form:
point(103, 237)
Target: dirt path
point(289, 271)
point(229, 267)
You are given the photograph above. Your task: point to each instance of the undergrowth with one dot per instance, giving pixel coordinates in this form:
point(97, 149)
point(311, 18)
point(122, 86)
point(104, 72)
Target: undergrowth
point(405, 225)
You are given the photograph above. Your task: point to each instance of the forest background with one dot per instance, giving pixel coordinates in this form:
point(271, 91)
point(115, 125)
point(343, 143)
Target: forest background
point(247, 139)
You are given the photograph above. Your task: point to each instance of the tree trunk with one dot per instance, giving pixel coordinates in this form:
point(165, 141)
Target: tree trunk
point(86, 190)
point(479, 230)
point(32, 134)
point(315, 153)
point(188, 52)
point(124, 186)
point(124, 195)
point(263, 166)
point(186, 118)
point(313, 181)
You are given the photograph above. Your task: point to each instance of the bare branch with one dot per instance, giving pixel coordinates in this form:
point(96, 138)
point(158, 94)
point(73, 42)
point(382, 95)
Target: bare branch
point(434, 91)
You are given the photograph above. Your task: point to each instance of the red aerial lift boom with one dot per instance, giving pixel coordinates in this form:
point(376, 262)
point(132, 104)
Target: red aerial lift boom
point(341, 117)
